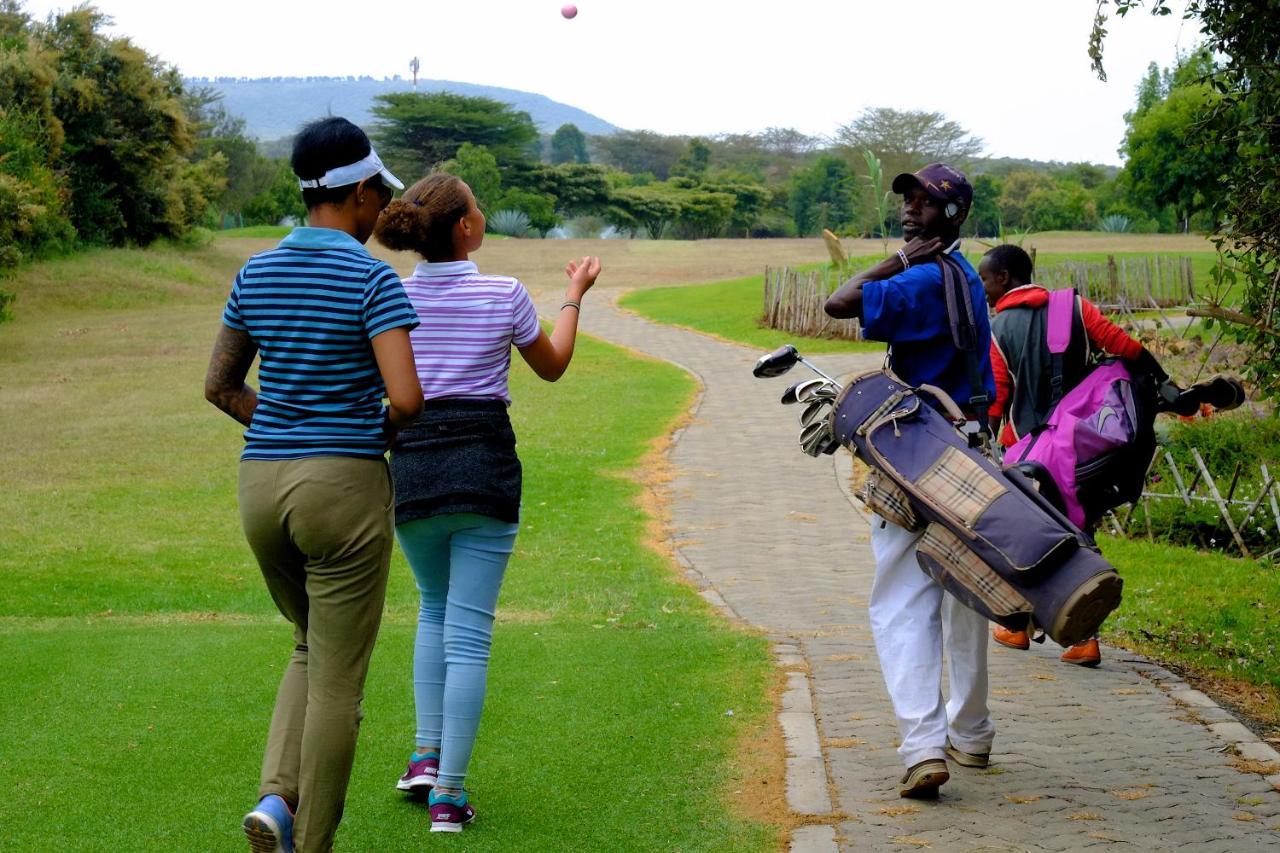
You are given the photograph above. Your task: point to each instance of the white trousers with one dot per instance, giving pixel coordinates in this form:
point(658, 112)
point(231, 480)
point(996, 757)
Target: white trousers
point(913, 620)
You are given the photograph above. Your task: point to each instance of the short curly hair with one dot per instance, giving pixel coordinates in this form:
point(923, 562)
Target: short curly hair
point(1013, 260)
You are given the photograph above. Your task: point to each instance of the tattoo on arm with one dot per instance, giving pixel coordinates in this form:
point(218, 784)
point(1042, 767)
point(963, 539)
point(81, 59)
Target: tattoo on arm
point(233, 354)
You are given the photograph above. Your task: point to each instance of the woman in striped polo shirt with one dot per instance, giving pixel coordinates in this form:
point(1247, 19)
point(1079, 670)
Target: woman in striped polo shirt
point(456, 472)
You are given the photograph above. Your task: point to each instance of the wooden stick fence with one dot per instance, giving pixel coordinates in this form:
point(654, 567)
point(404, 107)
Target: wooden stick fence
point(1139, 284)
point(1236, 513)
point(793, 302)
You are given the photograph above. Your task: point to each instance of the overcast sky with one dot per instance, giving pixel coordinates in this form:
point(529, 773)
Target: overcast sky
point(1013, 72)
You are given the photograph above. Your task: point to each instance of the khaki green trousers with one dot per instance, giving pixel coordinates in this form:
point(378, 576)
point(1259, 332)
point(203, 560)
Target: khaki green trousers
point(322, 531)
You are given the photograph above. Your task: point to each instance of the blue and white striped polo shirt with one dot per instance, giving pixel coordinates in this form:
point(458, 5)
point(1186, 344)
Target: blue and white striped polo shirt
point(312, 305)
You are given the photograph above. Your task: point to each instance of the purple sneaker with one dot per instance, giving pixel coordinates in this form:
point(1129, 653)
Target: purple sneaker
point(450, 813)
point(421, 773)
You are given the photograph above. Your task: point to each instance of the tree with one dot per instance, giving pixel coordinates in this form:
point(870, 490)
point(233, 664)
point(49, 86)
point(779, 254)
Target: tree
point(749, 200)
point(416, 131)
point(822, 195)
point(1060, 207)
point(703, 214)
point(906, 140)
point(1167, 162)
point(1246, 120)
point(539, 207)
point(695, 161)
point(984, 218)
point(126, 134)
point(1016, 190)
point(787, 141)
point(639, 151)
point(278, 199)
point(569, 145)
point(477, 166)
point(33, 216)
point(651, 208)
point(577, 188)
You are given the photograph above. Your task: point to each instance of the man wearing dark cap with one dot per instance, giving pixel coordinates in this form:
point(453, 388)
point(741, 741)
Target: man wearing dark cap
point(901, 301)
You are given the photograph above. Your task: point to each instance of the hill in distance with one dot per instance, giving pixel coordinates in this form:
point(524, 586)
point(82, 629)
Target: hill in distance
point(275, 107)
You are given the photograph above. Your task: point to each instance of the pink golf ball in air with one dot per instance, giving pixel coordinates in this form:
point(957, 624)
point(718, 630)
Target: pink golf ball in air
point(569, 11)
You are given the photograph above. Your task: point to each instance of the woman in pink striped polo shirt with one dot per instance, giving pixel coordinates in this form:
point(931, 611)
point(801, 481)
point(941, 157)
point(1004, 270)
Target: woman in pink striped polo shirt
point(457, 477)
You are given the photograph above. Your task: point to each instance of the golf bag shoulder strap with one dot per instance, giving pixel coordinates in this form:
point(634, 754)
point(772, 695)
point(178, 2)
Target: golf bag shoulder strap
point(964, 329)
point(949, 407)
point(1061, 311)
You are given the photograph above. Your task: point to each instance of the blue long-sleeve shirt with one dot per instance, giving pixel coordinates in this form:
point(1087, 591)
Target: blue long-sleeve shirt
point(909, 312)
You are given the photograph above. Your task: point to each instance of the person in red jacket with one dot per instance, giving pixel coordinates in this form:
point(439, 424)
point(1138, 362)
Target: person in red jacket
point(1022, 366)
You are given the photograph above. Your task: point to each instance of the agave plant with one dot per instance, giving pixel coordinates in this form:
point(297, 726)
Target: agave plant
point(510, 223)
point(1115, 222)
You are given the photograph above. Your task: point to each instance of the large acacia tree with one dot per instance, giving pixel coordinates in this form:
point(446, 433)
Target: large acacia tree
point(905, 140)
point(416, 131)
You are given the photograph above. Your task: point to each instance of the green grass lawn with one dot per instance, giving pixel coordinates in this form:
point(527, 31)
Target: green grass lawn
point(1215, 615)
point(732, 309)
point(256, 231)
point(142, 651)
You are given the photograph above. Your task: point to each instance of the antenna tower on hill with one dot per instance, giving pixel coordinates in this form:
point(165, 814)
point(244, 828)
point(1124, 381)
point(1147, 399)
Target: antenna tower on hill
point(414, 65)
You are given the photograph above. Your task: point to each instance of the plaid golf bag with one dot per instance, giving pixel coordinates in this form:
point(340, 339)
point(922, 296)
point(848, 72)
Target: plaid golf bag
point(988, 538)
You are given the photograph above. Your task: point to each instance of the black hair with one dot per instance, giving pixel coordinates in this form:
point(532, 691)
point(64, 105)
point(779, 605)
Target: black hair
point(1013, 260)
point(326, 144)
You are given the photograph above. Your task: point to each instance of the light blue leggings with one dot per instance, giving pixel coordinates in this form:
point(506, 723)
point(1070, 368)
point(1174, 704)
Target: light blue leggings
point(458, 560)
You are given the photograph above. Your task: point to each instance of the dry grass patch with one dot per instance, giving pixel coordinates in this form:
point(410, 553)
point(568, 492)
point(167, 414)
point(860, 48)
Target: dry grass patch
point(898, 811)
point(1249, 765)
point(1085, 816)
point(1135, 794)
point(1023, 799)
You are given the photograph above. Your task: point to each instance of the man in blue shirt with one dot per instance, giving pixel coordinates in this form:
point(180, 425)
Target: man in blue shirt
point(901, 301)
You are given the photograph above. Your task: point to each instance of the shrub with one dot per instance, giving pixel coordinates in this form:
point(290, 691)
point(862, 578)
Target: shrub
point(539, 209)
point(510, 223)
point(1115, 223)
point(6, 306)
point(586, 227)
point(774, 223)
point(1223, 442)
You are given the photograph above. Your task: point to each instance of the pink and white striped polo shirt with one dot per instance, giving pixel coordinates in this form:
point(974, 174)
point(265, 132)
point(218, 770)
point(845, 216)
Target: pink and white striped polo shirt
point(468, 322)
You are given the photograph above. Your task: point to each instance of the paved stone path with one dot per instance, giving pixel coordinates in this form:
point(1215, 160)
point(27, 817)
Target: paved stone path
point(1121, 755)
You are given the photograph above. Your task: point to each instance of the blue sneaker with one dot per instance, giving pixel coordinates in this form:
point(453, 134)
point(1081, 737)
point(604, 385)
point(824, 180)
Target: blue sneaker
point(449, 813)
point(269, 827)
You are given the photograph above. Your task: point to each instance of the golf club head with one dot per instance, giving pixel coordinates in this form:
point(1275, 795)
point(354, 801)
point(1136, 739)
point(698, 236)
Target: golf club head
point(812, 432)
point(777, 362)
point(816, 444)
point(814, 411)
point(815, 389)
point(789, 395)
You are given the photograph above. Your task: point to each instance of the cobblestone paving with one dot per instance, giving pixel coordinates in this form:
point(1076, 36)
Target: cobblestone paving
point(1083, 758)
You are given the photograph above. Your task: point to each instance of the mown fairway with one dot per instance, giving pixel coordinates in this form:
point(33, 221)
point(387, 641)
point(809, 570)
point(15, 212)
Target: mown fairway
point(142, 652)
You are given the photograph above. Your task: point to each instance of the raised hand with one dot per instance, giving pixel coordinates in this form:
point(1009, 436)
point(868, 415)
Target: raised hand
point(921, 249)
point(582, 274)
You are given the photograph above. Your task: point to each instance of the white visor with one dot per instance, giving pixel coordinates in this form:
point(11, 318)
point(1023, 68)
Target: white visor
point(353, 174)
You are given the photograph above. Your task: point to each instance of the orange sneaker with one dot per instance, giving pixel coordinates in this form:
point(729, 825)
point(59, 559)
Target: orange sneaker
point(1012, 639)
point(1083, 654)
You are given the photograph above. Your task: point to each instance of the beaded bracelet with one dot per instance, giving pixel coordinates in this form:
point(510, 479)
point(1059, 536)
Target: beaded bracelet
point(902, 256)
point(574, 305)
